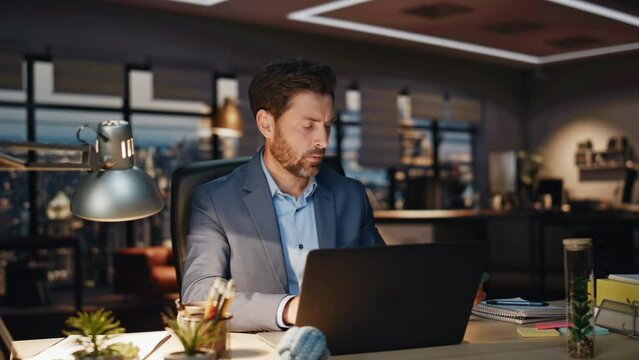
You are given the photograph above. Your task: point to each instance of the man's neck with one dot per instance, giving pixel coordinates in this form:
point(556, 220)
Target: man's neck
point(286, 182)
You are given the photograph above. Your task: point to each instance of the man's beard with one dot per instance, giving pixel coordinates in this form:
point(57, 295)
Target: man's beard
point(286, 156)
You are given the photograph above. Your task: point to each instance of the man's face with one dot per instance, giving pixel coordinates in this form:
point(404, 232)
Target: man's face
point(300, 135)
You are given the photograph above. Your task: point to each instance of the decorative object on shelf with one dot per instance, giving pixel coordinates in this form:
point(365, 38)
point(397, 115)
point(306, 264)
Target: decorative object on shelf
point(95, 330)
point(578, 269)
point(115, 189)
point(583, 157)
point(305, 342)
point(203, 327)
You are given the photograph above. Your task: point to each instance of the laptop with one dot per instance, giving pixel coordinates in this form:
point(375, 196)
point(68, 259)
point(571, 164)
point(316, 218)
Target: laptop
point(389, 298)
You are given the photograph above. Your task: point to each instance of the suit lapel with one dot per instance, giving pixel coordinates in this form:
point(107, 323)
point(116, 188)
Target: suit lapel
point(259, 203)
point(324, 207)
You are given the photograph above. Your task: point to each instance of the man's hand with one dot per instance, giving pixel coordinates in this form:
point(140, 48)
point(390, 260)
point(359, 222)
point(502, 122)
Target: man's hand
point(290, 311)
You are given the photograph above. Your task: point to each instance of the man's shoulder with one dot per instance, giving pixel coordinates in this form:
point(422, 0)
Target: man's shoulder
point(227, 183)
point(336, 181)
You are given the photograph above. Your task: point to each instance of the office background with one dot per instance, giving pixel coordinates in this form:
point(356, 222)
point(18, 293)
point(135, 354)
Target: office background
point(167, 68)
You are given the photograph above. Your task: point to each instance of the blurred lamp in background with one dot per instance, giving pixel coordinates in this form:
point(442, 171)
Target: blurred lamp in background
point(114, 190)
point(228, 121)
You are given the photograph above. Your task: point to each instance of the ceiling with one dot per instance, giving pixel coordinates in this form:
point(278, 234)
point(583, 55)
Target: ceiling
point(530, 32)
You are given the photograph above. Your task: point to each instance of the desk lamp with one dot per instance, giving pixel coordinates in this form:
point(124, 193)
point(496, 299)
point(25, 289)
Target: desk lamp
point(115, 189)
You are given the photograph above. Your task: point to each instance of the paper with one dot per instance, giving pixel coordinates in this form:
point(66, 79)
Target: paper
point(631, 278)
point(531, 332)
point(145, 341)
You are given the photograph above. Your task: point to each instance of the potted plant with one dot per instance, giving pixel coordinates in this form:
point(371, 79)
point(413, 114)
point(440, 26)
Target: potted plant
point(95, 329)
point(194, 336)
point(580, 343)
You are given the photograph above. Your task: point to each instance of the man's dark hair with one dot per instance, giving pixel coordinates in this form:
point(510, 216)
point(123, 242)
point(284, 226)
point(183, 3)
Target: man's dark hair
point(273, 88)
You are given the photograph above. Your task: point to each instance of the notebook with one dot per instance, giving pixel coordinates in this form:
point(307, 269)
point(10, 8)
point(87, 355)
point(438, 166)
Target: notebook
point(392, 297)
point(630, 278)
point(518, 314)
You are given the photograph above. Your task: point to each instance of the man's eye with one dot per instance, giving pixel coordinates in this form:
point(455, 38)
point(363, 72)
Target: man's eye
point(307, 125)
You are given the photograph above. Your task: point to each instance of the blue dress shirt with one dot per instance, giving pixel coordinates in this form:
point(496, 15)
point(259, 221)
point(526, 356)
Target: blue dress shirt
point(298, 230)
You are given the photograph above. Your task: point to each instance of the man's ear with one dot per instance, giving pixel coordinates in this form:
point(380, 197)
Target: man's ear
point(265, 123)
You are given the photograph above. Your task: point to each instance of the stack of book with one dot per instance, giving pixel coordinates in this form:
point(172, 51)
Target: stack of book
point(518, 310)
point(618, 287)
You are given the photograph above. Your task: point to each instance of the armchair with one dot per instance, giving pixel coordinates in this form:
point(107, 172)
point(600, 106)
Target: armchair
point(144, 271)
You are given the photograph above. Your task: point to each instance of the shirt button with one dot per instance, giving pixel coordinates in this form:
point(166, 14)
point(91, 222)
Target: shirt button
point(300, 246)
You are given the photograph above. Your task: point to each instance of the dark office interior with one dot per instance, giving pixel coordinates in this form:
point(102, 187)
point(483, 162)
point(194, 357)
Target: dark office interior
point(520, 148)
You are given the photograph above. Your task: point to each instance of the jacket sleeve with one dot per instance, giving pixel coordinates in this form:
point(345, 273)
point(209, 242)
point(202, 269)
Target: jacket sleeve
point(369, 234)
point(208, 256)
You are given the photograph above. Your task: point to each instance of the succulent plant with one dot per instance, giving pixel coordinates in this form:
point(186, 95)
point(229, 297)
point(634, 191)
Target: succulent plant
point(95, 330)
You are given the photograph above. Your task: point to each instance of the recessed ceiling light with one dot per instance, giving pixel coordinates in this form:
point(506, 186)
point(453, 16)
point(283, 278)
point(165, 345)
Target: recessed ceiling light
point(313, 15)
point(201, 2)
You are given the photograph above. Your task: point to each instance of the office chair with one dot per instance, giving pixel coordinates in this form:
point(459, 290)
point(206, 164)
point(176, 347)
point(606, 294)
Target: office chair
point(185, 180)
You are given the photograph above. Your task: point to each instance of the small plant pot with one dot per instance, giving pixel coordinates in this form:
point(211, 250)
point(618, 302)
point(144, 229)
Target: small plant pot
point(204, 354)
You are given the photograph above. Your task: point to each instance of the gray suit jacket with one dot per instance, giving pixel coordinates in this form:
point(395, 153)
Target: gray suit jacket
point(234, 233)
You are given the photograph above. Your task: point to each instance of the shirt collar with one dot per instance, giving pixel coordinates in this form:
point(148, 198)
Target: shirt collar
point(272, 185)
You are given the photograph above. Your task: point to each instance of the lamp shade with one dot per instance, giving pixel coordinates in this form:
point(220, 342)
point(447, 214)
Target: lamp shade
point(116, 195)
point(117, 190)
point(229, 120)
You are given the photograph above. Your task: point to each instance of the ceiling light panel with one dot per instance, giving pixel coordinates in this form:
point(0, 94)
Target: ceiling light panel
point(316, 15)
point(200, 2)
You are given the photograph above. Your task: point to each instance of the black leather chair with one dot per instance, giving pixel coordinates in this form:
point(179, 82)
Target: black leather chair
point(184, 181)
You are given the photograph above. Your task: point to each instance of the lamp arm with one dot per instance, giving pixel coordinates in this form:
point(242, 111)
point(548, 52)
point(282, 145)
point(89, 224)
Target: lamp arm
point(10, 163)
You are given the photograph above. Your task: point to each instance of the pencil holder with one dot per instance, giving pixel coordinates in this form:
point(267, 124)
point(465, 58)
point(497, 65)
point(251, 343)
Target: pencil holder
point(192, 314)
point(578, 269)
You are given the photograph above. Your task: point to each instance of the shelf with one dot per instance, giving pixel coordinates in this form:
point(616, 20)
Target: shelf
point(604, 168)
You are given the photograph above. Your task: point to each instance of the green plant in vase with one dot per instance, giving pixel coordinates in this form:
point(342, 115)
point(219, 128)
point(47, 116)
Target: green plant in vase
point(580, 344)
point(194, 336)
point(95, 330)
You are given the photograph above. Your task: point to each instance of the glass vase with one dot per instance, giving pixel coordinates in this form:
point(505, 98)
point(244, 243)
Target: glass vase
point(578, 269)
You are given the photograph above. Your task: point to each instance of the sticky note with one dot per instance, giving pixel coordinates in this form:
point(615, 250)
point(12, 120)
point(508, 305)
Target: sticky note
point(599, 331)
point(551, 325)
point(531, 332)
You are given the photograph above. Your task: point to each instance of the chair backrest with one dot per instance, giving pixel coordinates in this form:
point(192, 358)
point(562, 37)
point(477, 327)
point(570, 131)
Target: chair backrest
point(185, 180)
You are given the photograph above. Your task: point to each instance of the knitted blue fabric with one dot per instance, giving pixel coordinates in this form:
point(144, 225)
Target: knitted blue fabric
point(303, 343)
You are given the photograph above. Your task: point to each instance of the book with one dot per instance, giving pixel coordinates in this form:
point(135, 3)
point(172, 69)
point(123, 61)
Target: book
point(629, 278)
point(621, 291)
point(518, 314)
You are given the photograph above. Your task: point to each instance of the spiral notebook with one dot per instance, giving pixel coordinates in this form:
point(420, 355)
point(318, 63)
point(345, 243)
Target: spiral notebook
point(518, 314)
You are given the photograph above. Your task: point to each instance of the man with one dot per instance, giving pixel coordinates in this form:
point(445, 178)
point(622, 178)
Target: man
point(258, 224)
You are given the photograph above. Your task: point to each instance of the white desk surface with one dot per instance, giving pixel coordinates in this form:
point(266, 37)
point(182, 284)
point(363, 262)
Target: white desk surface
point(484, 339)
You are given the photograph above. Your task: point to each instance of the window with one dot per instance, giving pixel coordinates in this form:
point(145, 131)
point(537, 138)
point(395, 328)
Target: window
point(374, 180)
point(14, 192)
point(436, 168)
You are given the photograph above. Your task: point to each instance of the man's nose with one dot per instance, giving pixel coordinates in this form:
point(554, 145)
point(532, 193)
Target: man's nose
point(321, 138)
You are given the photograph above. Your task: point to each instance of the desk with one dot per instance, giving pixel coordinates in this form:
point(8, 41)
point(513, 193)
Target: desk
point(484, 339)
